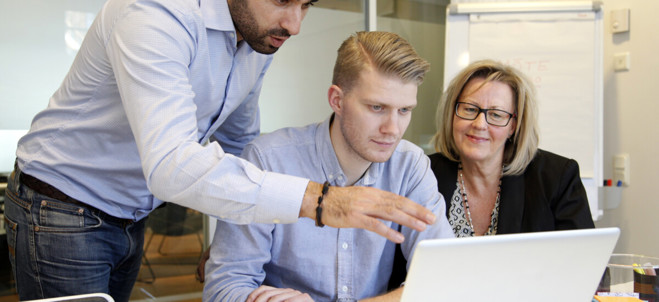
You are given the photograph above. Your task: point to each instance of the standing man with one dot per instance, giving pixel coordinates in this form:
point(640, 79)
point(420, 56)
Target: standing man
point(159, 97)
point(373, 92)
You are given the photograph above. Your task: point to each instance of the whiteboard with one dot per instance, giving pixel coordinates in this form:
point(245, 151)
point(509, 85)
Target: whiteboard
point(559, 46)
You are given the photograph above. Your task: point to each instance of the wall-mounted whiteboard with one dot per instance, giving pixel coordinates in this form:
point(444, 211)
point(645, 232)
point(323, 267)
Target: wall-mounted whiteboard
point(559, 46)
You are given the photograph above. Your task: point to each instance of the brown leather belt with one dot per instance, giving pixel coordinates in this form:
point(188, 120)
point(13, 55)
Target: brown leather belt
point(52, 192)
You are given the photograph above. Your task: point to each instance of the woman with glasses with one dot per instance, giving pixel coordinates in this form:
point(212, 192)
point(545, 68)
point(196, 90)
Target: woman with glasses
point(488, 166)
point(489, 169)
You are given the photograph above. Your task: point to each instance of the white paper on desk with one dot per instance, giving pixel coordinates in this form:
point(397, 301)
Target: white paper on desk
point(621, 290)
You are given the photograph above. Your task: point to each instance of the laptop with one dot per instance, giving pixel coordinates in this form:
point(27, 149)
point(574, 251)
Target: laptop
point(94, 297)
point(563, 266)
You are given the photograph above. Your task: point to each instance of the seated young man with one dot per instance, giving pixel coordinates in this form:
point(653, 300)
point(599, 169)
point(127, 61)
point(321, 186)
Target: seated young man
point(374, 90)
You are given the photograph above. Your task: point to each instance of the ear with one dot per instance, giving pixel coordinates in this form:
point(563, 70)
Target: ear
point(335, 98)
point(513, 126)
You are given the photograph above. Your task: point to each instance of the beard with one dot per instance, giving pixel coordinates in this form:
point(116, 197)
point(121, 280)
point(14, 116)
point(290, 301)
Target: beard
point(247, 26)
point(358, 145)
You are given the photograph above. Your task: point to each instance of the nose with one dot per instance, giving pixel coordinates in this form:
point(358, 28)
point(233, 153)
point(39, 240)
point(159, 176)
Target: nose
point(480, 121)
point(292, 21)
point(390, 125)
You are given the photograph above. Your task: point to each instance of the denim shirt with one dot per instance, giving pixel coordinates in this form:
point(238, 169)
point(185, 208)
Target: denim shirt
point(329, 264)
point(157, 104)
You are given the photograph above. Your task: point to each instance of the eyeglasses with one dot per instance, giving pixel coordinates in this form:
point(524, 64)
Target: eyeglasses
point(494, 117)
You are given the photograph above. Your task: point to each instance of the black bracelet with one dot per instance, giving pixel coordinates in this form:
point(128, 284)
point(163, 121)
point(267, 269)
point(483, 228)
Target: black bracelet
point(319, 209)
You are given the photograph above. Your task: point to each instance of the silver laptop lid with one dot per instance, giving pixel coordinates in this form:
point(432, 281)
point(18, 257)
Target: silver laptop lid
point(552, 266)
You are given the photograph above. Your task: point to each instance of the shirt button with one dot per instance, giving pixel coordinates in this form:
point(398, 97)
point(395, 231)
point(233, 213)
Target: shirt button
point(344, 289)
point(344, 245)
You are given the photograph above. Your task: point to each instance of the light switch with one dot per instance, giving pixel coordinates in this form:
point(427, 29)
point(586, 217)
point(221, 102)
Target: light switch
point(621, 169)
point(620, 20)
point(621, 61)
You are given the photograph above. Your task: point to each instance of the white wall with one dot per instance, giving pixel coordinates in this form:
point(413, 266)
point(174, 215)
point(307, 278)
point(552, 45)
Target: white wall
point(38, 41)
point(295, 88)
point(631, 106)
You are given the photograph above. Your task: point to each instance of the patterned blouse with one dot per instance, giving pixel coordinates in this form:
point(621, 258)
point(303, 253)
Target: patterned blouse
point(458, 220)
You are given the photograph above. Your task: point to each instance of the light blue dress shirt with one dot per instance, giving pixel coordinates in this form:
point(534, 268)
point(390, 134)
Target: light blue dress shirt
point(153, 81)
point(329, 264)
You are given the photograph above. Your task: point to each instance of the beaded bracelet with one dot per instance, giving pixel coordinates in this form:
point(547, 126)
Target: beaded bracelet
point(319, 209)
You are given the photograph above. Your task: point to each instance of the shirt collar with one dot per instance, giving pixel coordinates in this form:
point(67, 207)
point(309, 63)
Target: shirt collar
point(330, 163)
point(216, 15)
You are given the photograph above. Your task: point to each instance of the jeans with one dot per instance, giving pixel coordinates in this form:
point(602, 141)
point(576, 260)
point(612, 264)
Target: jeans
point(61, 249)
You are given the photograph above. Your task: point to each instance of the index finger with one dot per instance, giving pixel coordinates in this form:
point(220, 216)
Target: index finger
point(404, 211)
point(395, 208)
point(378, 227)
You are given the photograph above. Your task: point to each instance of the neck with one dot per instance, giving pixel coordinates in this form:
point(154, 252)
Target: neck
point(482, 175)
point(353, 165)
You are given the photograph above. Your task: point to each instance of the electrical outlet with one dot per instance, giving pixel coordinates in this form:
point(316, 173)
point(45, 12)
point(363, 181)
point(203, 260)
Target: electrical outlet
point(621, 169)
point(621, 61)
point(620, 20)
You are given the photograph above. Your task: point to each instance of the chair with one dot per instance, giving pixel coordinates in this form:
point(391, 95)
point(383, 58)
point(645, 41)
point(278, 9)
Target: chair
point(171, 220)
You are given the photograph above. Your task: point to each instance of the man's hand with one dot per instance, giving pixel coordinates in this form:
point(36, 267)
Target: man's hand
point(361, 207)
point(272, 294)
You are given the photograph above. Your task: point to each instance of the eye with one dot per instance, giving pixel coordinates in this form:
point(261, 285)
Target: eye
point(496, 115)
point(469, 109)
point(405, 110)
point(309, 4)
point(376, 107)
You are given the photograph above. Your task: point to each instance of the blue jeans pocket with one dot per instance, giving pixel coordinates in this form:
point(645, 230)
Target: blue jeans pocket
point(12, 231)
point(57, 216)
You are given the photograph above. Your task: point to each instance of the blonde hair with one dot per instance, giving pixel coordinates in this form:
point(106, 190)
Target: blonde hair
point(523, 144)
point(387, 52)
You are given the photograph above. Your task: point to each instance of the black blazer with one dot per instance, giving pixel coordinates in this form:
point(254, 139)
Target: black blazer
point(548, 196)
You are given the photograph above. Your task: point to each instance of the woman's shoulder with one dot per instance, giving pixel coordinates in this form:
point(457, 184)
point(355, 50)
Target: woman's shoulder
point(547, 162)
point(439, 159)
point(546, 157)
point(441, 164)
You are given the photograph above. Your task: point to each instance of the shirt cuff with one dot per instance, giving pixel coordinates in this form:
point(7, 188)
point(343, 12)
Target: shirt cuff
point(280, 198)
